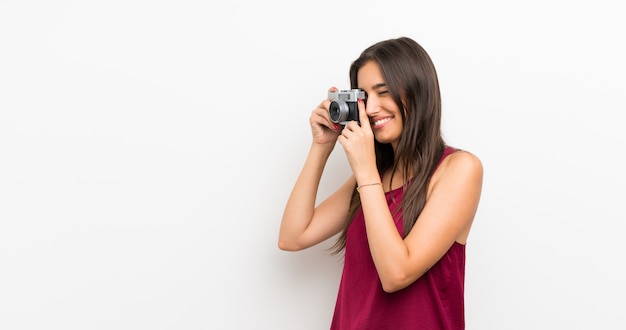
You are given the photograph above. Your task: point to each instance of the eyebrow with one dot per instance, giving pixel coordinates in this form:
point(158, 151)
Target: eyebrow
point(379, 85)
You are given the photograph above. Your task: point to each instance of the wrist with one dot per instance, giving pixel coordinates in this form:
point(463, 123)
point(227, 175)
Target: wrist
point(367, 177)
point(323, 150)
point(366, 185)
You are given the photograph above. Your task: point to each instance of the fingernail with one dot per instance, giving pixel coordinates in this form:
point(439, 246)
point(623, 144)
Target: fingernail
point(360, 101)
point(336, 126)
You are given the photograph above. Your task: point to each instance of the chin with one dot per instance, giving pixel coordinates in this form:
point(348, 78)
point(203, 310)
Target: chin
point(383, 140)
point(385, 137)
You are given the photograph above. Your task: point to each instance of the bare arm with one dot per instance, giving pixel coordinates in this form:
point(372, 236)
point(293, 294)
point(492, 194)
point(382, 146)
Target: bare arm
point(447, 217)
point(452, 201)
point(303, 224)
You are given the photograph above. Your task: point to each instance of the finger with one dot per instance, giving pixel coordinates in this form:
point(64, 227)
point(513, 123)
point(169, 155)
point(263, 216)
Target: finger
point(363, 118)
point(323, 107)
point(347, 132)
point(352, 126)
point(342, 140)
point(320, 116)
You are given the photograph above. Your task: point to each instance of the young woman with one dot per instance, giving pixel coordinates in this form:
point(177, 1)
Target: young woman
point(405, 214)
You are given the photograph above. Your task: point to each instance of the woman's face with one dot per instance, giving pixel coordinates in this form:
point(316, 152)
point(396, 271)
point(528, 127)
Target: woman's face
point(384, 114)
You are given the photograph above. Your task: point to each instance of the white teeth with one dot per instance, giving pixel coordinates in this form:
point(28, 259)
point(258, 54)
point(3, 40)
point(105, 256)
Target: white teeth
point(381, 121)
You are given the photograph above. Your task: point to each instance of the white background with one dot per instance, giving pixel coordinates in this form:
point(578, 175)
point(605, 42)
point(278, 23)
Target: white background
point(147, 149)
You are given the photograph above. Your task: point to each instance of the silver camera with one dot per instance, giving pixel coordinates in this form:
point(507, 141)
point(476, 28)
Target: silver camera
point(343, 105)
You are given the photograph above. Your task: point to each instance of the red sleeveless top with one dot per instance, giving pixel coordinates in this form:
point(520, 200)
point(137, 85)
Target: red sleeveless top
point(434, 301)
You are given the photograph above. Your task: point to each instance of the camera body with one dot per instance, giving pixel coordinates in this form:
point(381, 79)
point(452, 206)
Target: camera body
point(343, 105)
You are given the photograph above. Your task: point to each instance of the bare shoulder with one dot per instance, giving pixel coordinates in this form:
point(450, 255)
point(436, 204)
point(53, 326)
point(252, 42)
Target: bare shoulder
point(464, 160)
point(460, 165)
point(457, 181)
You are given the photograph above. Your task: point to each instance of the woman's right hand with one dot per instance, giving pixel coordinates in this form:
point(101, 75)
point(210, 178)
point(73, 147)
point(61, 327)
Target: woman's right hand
point(324, 130)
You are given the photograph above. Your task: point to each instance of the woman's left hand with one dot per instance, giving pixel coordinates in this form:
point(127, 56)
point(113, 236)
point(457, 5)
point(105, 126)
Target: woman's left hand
point(358, 143)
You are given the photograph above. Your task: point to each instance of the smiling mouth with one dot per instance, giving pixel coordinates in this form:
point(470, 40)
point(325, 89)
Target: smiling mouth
point(382, 121)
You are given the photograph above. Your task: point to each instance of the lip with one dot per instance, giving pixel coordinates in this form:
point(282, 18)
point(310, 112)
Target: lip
point(381, 122)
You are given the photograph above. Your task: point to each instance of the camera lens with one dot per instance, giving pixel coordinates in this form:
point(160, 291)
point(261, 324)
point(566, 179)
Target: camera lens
point(338, 111)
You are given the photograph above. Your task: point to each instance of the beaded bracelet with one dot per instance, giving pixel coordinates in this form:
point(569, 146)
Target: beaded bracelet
point(369, 184)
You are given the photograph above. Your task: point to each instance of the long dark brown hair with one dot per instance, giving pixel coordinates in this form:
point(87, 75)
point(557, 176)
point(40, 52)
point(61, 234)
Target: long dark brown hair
point(412, 83)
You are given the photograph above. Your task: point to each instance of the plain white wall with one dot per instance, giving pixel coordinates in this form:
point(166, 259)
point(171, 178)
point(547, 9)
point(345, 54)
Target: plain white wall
point(147, 149)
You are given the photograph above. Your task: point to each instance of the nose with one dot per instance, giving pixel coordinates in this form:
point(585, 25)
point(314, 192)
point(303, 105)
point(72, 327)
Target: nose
point(372, 106)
